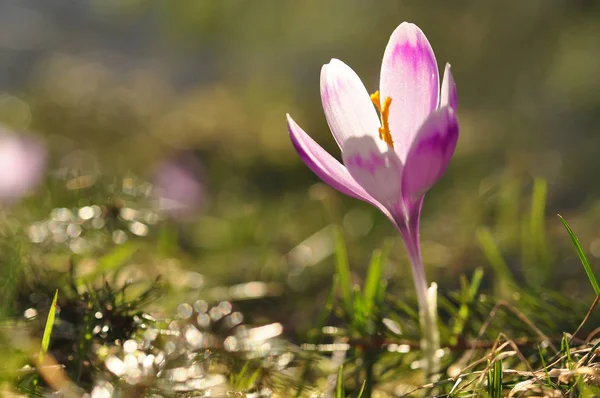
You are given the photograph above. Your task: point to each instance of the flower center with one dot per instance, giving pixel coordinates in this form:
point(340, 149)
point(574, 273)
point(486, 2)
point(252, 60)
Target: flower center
point(384, 110)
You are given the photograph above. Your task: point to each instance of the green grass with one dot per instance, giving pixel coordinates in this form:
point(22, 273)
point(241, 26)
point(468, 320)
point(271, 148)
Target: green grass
point(498, 326)
point(340, 392)
point(48, 328)
point(494, 380)
point(582, 257)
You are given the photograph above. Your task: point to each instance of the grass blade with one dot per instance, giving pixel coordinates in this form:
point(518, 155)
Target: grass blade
point(548, 378)
point(467, 299)
point(495, 380)
point(49, 327)
point(374, 283)
point(339, 384)
point(538, 213)
point(582, 257)
point(362, 389)
point(565, 350)
point(504, 281)
point(535, 251)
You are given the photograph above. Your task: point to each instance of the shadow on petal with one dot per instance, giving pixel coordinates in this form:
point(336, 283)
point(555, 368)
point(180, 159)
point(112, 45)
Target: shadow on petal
point(376, 167)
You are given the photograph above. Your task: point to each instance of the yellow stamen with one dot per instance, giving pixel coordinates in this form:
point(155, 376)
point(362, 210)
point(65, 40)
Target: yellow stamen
point(376, 100)
point(384, 131)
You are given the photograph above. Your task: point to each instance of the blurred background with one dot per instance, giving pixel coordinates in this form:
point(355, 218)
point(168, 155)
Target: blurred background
point(169, 117)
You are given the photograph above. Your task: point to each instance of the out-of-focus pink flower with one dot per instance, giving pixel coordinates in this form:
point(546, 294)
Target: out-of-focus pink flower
point(179, 186)
point(22, 165)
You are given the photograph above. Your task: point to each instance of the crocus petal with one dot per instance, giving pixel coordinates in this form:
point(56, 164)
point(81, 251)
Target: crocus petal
point(448, 95)
point(326, 167)
point(430, 153)
point(378, 172)
point(347, 104)
point(409, 76)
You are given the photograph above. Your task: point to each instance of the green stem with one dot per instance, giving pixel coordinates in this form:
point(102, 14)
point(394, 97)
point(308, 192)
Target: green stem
point(370, 358)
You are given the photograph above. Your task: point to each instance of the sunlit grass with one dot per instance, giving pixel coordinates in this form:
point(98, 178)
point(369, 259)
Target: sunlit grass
point(48, 328)
point(501, 331)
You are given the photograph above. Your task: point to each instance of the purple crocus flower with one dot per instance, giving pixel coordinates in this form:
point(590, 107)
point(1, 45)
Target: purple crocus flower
point(22, 165)
point(392, 159)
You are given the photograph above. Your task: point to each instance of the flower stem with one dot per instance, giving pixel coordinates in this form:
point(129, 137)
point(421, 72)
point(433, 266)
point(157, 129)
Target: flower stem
point(427, 296)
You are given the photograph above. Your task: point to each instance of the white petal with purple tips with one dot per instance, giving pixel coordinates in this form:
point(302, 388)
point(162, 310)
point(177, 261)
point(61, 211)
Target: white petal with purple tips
point(347, 104)
point(409, 76)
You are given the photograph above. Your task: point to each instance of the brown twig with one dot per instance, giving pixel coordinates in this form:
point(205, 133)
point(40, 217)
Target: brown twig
point(54, 375)
point(587, 316)
point(592, 334)
point(464, 345)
